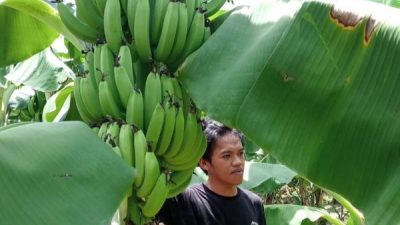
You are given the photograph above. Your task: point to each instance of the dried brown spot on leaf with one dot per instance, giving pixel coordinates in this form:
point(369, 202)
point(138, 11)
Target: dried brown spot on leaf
point(346, 19)
point(369, 29)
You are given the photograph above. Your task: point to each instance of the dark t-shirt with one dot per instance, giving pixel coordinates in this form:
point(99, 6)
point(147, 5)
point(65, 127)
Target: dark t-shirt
point(198, 205)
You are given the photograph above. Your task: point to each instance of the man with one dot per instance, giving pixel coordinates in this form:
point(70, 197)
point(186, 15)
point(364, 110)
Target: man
point(219, 201)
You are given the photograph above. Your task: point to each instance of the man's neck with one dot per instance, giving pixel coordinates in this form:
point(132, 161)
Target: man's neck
point(223, 190)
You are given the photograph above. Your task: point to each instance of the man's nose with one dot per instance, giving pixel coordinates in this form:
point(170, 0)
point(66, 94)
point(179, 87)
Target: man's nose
point(237, 160)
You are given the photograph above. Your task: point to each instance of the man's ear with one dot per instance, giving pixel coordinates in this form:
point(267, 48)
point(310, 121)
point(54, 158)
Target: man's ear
point(204, 164)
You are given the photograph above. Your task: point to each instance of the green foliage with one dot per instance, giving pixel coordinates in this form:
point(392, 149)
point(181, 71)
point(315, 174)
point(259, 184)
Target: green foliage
point(84, 179)
point(296, 215)
point(43, 72)
point(27, 27)
point(313, 93)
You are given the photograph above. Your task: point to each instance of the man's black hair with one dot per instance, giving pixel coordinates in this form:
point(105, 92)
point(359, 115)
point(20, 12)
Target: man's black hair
point(215, 130)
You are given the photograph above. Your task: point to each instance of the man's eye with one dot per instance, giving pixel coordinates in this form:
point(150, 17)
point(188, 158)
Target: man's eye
point(225, 156)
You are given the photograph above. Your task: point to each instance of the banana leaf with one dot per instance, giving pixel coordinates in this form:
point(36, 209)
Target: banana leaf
point(315, 84)
point(61, 106)
point(27, 27)
point(265, 177)
point(296, 215)
point(59, 173)
point(43, 72)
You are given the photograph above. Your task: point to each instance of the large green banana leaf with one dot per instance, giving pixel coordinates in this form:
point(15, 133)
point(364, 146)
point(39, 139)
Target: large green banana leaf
point(316, 85)
point(59, 173)
point(296, 215)
point(27, 27)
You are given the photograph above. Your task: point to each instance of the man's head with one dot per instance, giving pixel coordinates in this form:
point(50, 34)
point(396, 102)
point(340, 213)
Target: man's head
point(215, 130)
point(224, 158)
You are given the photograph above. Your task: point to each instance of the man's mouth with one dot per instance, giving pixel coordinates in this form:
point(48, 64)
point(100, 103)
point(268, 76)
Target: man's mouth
point(237, 171)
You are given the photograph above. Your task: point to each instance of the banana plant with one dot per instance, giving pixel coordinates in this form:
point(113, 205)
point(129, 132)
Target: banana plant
point(27, 27)
point(315, 84)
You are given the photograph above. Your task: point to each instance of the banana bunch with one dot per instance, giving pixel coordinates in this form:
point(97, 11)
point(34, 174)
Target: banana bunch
point(160, 31)
point(156, 137)
point(167, 31)
point(103, 89)
point(34, 108)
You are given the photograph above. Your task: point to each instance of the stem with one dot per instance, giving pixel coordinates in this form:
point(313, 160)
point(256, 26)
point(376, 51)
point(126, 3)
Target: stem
point(358, 217)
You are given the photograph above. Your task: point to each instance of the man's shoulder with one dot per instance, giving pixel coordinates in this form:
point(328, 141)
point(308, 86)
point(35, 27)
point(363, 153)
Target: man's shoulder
point(251, 195)
point(194, 189)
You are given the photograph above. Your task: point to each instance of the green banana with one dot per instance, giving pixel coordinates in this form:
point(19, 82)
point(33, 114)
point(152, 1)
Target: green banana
point(181, 32)
point(24, 115)
point(83, 112)
point(135, 213)
point(141, 32)
point(113, 25)
point(31, 103)
point(124, 6)
point(186, 101)
point(177, 97)
point(126, 143)
point(178, 182)
point(151, 173)
point(192, 158)
point(103, 131)
point(135, 109)
point(131, 14)
point(97, 64)
point(140, 144)
point(126, 61)
point(168, 32)
point(89, 72)
point(107, 62)
point(123, 208)
point(41, 99)
point(194, 37)
point(191, 8)
point(75, 25)
point(112, 134)
point(189, 139)
point(167, 87)
point(160, 9)
point(155, 126)
point(156, 198)
point(88, 13)
point(123, 83)
point(90, 68)
point(213, 6)
point(37, 117)
point(177, 137)
point(90, 97)
point(95, 129)
point(152, 96)
point(167, 130)
point(107, 100)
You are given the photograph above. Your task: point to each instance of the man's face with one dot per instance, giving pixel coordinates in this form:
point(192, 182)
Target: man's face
point(227, 161)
